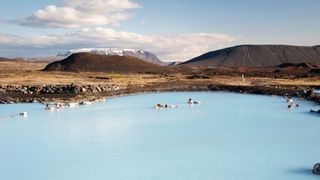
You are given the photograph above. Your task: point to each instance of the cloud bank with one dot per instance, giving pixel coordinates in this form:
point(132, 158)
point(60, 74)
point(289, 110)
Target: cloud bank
point(79, 13)
point(90, 18)
point(171, 47)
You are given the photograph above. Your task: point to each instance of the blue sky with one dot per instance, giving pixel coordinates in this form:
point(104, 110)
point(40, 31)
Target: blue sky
point(173, 29)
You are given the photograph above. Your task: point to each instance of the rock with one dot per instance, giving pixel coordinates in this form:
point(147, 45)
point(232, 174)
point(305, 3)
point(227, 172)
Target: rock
point(316, 169)
point(308, 93)
point(99, 89)
point(315, 111)
point(197, 76)
point(83, 90)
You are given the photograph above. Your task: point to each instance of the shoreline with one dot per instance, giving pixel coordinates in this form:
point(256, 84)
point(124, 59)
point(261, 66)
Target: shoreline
point(91, 95)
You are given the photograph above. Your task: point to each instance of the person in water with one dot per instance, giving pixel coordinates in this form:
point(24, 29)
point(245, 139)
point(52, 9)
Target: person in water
point(293, 105)
point(59, 106)
point(48, 108)
point(171, 106)
point(190, 101)
point(290, 101)
point(160, 106)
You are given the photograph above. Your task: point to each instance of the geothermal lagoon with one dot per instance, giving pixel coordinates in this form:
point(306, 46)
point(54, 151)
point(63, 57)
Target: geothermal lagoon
point(228, 136)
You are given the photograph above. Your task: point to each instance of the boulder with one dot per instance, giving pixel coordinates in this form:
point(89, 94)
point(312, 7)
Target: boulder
point(315, 111)
point(98, 89)
point(316, 169)
point(83, 90)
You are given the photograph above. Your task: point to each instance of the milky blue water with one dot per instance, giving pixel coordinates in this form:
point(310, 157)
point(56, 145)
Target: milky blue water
point(228, 136)
point(317, 91)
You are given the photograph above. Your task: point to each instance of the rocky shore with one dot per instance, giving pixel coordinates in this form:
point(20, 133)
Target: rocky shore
point(50, 93)
point(77, 93)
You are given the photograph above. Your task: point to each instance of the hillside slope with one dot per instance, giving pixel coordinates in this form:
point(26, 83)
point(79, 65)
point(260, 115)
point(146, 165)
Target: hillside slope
point(88, 62)
point(258, 56)
point(138, 53)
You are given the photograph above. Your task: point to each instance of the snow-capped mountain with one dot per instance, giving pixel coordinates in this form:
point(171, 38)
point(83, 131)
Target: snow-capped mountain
point(138, 53)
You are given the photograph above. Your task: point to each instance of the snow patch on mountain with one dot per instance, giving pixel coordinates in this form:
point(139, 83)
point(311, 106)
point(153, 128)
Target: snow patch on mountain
point(138, 53)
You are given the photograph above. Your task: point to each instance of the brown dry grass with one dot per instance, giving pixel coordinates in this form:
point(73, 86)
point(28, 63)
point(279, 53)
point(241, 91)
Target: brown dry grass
point(28, 73)
point(21, 65)
point(261, 81)
point(10, 77)
point(63, 78)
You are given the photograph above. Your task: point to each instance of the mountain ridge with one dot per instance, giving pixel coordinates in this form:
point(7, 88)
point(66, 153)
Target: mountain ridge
point(138, 53)
point(88, 62)
point(258, 56)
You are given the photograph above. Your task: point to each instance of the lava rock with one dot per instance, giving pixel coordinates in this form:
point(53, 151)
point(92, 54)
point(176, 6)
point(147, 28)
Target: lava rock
point(316, 169)
point(83, 90)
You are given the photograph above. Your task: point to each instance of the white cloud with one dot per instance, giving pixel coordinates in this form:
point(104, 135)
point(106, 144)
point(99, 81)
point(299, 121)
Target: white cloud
point(172, 47)
point(93, 13)
point(102, 6)
point(80, 13)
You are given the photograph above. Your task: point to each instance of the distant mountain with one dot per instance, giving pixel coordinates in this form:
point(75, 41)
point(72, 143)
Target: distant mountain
point(258, 56)
point(5, 59)
point(12, 59)
point(47, 59)
point(138, 53)
point(20, 64)
point(89, 62)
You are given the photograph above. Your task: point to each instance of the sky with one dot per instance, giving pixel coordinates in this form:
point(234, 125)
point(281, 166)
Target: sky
point(175, 30)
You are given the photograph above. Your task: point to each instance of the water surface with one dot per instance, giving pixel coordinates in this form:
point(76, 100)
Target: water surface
point(228, 136)
point(317, 91)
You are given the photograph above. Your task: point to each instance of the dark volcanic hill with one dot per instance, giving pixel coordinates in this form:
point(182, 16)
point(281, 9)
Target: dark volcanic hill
point(258, 56)
point(138, 53)
point(5, 59)
point(88, 62)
